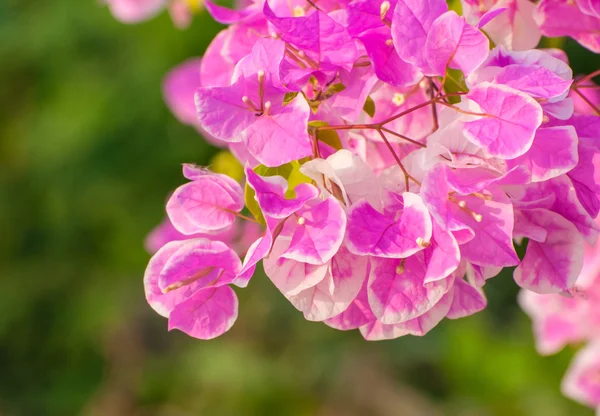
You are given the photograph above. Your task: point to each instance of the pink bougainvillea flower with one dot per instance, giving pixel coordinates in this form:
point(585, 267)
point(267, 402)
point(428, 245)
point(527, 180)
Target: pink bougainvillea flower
point(443, 254)
point(165, 232)
point(534, 80)
point(386, 62)
point(206, 315)
point(418, 326)
point(534, 72)
point(197, 301)
point(572, 317)
point(452, 42)
point(227, 49)
point(369, 22)
point(581, 382)
point(397, 291)
point(589, 7)
point(134, 11)
point(558, 194)
point(508, 123)
point(561, 18)
point(419, 157)
point(473, 215)
point(347, 172)
point(321, 39)
point(227, 16)
point(467, 300)
point(201, 261)
point(553, 153)
point(319, 291)
point(348, 103)
point(179, 87)
point(252, 109)
point(290, 276)
point(338, 289)
point(491, 244)
point(550, 59)
point(585, 177)
point(260, 248)
point(490, 15)
point(568, 318)
point(395, 236)
point(318, 232)
point(356, 315)
point(411, 23)
point(512, 28)
point(208, 203)
point(551, 264)
point(270, 194)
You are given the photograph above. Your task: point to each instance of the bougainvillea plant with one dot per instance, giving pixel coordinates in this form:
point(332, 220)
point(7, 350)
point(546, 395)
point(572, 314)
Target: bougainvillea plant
point(393, 154)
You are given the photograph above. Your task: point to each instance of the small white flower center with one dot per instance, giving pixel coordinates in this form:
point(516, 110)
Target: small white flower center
point(399, 99)
point(383, 9)
point(298, 11)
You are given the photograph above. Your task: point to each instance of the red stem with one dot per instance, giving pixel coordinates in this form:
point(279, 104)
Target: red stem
point(584, 98)
point(587, 77)
point(407, 175)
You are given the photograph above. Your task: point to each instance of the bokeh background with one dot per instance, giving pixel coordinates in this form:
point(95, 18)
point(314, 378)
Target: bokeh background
point(88, 153)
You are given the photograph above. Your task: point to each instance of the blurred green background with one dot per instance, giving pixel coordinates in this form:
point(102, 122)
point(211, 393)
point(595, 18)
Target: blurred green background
point(88, 152)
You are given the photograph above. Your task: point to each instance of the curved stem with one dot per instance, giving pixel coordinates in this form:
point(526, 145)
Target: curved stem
point(587, 77)
point(587, 100)
point(460, 110)
point(407, 175)
point(242, 216)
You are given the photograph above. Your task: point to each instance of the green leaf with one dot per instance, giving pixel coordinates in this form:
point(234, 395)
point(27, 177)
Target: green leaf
point(369, 107)
point(252, 204)
point(289, 171)
point(456, 6)
point(226, 163)
point(294, 179)
point(283, 170)
point(289, 97)
point(332, 90)
point(314, 106)
point(329, 137)
point(455, 81)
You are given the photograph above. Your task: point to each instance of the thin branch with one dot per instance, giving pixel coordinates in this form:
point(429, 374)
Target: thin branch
point(407, 175)
point(314, 5)
point(434, 93)
point(403, 137)
point(460, 110)
point(348, 127)
point(587, 77)
point(242, 216)
point(587, 100)
point(410, 110)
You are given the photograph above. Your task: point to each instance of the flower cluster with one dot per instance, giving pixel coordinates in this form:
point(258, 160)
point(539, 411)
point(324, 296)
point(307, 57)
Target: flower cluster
point(561, 320)
point(390, 161)
point(514, 24)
